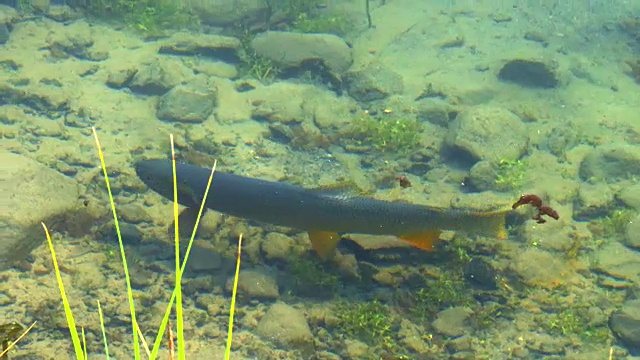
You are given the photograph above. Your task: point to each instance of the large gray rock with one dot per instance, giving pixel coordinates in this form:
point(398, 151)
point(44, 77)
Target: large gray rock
point(254, 284)
point(187, 103)
point(159, 75)
point(290, 50)
point(594, 200)
point(277, 246)
point(375, 82)
point(31, 193)
point(76, 40)
point(285, 326)
point(625, 323)
point(481, 133)
point(619, 262)
point(611, 163)
point(453, 321)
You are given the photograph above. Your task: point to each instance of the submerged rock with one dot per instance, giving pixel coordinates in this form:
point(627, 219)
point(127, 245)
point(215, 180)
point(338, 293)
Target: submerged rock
point(529, 73)
point(453, 322)
point(33, 193)
point(611, 163)
point(158, 76)
point(290, 50)
point(223, 48)
point(619, 262)
point(625, 324)
point(286, 326)
point(375, 82)
point(187, 103)
point(479, 132)
point(255, 284)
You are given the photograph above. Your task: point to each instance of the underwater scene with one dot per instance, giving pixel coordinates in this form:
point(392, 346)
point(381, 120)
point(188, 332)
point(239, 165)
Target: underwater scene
point(319, 179)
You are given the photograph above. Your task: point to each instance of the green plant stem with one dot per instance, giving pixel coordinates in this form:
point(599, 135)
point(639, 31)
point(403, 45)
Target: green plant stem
point(132, 308)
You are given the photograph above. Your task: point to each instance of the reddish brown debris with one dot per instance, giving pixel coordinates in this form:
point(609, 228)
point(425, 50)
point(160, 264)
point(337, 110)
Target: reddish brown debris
point(536, 202)
point(403, 180)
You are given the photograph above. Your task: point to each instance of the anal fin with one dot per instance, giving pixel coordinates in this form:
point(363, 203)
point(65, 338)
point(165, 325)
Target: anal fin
point(324, 243)
point(425, 240)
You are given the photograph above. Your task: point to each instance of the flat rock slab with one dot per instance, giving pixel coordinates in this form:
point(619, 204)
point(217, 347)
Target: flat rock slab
point(31, 193)
point(288, 50)
point(619, 262)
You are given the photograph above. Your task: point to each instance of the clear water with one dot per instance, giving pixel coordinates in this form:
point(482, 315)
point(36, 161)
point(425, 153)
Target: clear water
point(312, 94)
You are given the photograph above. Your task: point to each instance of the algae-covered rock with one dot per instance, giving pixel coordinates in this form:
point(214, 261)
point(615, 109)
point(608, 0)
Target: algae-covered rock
point(255, 284)
point(286, 326)
point(217, 47)
point(159, 75)
point(479, 132)
point(31, 193)
point(625, 323)
point(187, 103)
point(611, 163)
point(290, 50)
point(277, 246)
point(375, 82)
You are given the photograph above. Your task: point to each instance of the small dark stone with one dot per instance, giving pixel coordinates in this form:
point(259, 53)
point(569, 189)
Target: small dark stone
point(529, 73)
point(480, 274)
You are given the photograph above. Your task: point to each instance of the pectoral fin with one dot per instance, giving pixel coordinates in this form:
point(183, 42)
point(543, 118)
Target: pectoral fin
point(324, 243)
point(425, 240)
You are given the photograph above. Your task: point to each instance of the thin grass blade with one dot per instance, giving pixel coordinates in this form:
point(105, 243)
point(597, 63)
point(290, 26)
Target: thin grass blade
point(77, 346)
point(227, 352)
point(165, 319)
point(132, 309)
point(178, 287)
point(104, 332)
point(12, 344)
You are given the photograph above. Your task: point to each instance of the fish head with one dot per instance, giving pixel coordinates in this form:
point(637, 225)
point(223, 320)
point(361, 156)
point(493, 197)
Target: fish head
point(158, 176)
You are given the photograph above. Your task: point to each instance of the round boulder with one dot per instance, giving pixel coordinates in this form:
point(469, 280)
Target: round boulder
point(186, 103)
point(285, 326)
point(481, 133)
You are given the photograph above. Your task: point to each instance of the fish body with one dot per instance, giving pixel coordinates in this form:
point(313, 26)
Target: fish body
point(323, 214)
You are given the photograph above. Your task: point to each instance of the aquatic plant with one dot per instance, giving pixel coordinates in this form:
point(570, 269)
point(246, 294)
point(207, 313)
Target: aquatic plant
point(575, 321)
point(79, 343)
point(293, 8)
point(366, 321)
point(387, 132)
point(510, 174)
point(612, 225)
point(309, 278)
point(257, 67)
point(337, 24)
point(252, 64)
point(448, 289)
point(148, 16)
